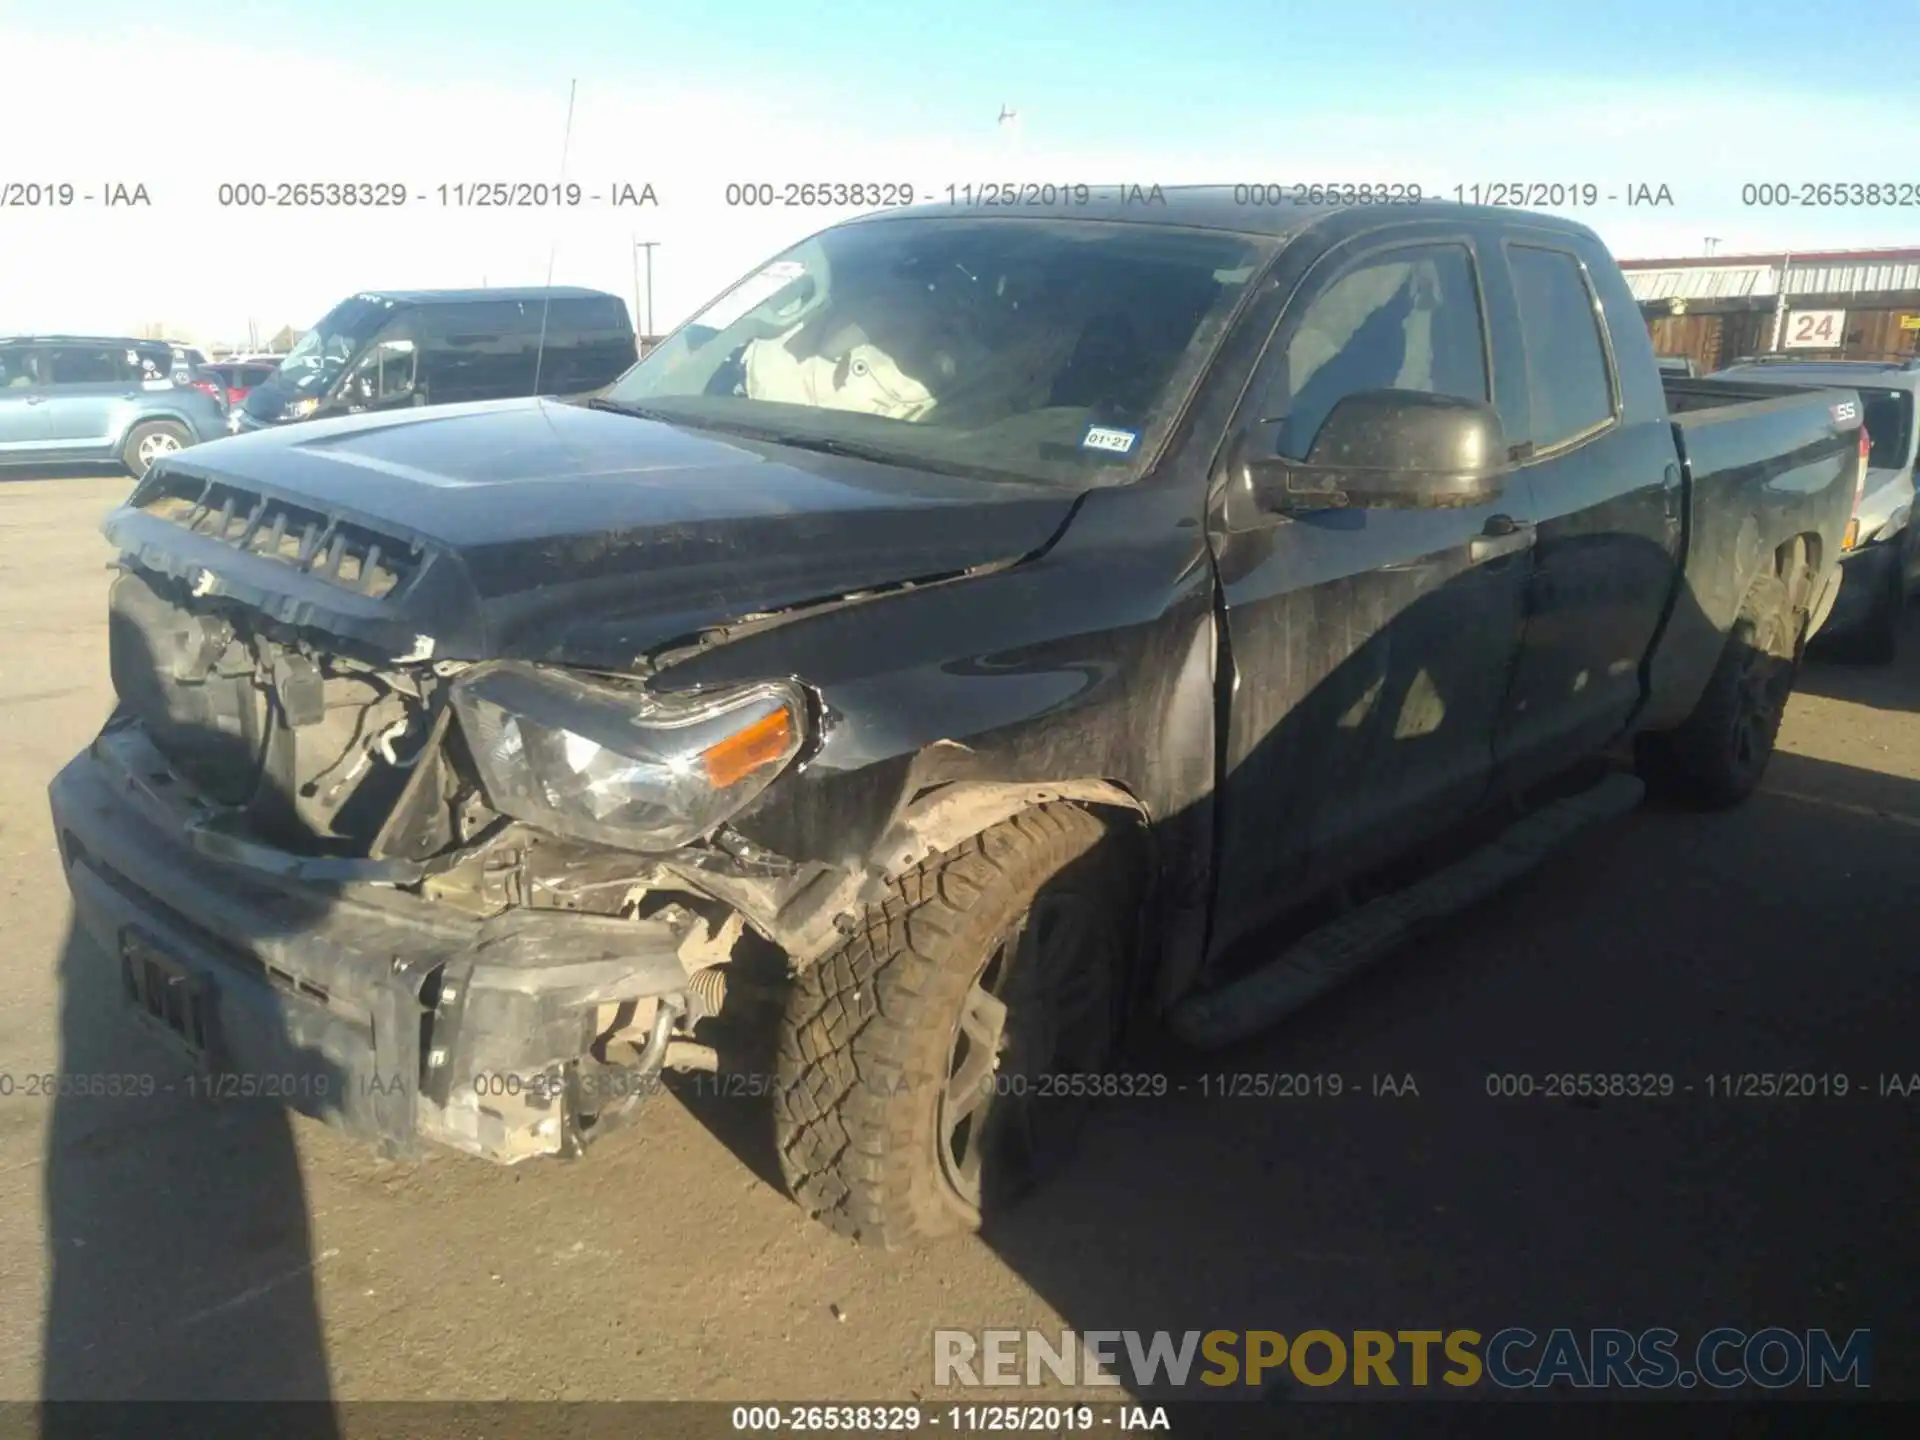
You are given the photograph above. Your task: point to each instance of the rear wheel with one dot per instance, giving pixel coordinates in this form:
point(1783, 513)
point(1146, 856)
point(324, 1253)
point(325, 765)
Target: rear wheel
point(1716, 758)
point(152, 442)
point(925, 1067)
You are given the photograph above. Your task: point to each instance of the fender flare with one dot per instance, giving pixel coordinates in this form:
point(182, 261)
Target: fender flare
point(933, 815)
point(942, 818)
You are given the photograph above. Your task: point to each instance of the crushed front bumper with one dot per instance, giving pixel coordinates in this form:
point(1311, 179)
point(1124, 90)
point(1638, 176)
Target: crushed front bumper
point(398, 1019)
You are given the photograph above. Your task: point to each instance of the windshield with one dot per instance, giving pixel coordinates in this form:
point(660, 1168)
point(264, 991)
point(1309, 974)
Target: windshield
point(317, 359)
point(1889, 422)
point(1055, 350)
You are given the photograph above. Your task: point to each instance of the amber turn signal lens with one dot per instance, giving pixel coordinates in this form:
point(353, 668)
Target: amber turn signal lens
point(1852, 537)
point(764, 742)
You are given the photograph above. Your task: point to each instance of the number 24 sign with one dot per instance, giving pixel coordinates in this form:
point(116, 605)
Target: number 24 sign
point(1815, 329)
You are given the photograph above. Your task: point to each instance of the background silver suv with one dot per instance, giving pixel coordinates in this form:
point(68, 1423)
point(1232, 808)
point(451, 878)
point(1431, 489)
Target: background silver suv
point(71, 398)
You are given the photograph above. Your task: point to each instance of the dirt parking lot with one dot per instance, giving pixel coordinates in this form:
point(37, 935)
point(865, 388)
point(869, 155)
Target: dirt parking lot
point(177, 1247)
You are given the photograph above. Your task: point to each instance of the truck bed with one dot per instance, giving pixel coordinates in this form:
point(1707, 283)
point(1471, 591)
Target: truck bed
point(1760, 465)
point(1689, 394)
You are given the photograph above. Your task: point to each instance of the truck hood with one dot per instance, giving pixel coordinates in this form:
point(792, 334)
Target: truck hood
point(541, 530)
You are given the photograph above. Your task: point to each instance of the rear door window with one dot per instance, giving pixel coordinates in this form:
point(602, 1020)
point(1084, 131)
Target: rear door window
point(1569, 381)
point(88, 364)
point(152, 363)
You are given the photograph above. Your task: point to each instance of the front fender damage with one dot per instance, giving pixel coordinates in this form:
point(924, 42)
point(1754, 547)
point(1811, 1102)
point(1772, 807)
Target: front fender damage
point(808, 909)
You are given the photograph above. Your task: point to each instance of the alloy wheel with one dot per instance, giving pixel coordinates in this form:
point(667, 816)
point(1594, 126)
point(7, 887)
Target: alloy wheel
point(1039, 1012)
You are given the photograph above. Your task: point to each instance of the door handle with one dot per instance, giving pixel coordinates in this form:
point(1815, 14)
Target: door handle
point(1503, 536)
point(36, 399)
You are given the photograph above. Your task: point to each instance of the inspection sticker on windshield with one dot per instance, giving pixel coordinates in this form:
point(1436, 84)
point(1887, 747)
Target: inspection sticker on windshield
point(1099, 437)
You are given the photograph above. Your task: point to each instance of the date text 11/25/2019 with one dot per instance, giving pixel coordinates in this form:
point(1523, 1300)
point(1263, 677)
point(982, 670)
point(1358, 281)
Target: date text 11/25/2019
point(291, 1086)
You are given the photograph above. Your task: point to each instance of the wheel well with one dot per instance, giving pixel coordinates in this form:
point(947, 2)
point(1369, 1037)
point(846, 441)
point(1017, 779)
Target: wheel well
point(1795, 562)
point(944, 815)
point(166, 417)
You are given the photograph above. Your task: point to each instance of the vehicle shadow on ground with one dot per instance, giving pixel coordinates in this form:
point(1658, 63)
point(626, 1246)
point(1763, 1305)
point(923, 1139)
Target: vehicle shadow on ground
point(181, 1256)
point(1390, 1159)
point(1776, 940)
point(1676, 950)
point(181, 1266)
point(1894, 687)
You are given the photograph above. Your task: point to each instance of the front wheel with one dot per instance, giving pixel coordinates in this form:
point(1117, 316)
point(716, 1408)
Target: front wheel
point(152, 442)
point(1716, 758)
point(925, 1067)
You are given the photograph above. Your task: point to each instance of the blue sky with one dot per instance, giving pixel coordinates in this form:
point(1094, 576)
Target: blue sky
point(1697, 96)
point(1122, 63)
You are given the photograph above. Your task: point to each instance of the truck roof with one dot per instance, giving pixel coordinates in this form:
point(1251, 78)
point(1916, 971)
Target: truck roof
point(1214, 207)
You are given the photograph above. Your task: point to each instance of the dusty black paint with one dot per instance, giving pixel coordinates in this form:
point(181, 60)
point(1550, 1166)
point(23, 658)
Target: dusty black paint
point(1287, 699)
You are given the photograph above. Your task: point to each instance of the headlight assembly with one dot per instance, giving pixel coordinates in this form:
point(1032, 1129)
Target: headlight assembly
point(619, 765)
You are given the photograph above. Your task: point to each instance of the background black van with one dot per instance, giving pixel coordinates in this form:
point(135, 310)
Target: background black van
point(382, 351)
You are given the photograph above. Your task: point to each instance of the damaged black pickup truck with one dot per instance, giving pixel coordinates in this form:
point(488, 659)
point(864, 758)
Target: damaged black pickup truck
point(990, 618)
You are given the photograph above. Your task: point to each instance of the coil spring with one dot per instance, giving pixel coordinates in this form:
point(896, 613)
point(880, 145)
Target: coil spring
point(707, 990)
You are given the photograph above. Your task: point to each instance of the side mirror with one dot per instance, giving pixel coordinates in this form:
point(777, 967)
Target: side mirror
point(1382, 450)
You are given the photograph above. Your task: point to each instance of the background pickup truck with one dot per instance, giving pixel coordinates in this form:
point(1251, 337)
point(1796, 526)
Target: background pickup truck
point(960, 635)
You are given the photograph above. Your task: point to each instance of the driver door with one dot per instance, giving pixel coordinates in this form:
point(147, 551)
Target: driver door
point(1370, 649)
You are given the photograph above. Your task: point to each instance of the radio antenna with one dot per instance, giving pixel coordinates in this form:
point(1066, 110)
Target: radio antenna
point(546, 300)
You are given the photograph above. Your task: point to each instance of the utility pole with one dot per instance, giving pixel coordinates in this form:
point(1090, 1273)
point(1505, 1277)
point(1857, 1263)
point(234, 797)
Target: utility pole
point(1780, 302)
point(638, 246)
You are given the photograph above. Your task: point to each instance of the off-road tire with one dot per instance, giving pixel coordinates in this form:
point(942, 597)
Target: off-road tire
point(134, 454)
point(868, 1035)
point(1703, 765)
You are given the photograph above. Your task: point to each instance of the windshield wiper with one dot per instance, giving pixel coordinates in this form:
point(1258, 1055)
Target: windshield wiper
point(852, 449)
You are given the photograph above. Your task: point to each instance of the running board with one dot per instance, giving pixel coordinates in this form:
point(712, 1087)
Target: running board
point(1340, 948)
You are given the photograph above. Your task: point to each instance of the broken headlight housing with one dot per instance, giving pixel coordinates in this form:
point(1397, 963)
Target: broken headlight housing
point(621, 765)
